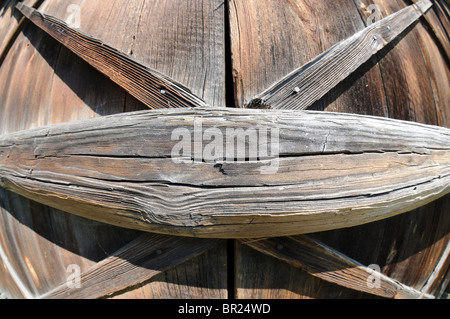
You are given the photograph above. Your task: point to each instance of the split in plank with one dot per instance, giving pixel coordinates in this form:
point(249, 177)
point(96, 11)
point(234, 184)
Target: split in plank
point(160, 171)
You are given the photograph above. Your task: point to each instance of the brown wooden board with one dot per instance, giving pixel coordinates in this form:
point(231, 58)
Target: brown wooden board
point(11, 23)
point(409, 79)
point(330, 170)
point(202, 277)
point(44, 83)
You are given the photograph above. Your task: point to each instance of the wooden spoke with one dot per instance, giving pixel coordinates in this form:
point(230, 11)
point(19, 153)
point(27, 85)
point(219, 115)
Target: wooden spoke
point(149, 86)
point(330, 170)
point(439, 23)
point(140, 260)
point(328, 264)
point(437, 275)
point(303, 86)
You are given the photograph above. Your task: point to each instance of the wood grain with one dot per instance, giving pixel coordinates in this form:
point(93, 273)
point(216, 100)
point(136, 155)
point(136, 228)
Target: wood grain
point(344, 170)
point(74, 90)
point(260, 276)
point(438, 21)
point(136, 262)
point(201, 277)
point(149, 86)
point(11, 23)
point(303, 86)
point(330, 265)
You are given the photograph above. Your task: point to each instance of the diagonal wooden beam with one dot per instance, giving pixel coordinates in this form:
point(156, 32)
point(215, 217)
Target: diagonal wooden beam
point(438, 272)
point(152, 88)
point(156, 171)
point(138, 261)
point(307, 84)
point(440, 30)
point(326, 263)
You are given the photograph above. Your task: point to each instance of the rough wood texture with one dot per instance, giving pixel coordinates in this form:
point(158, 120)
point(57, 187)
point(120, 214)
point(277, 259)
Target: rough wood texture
point(332, 171)
point(328, 264)
point(149, 86)
point(438, 21)
point(261, 276)
point(11, 23)
point(302, 87)
point(134, 263)
point(43, 83)
point(202, 277)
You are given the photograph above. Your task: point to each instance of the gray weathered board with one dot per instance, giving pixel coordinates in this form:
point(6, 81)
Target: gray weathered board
point(194, 172)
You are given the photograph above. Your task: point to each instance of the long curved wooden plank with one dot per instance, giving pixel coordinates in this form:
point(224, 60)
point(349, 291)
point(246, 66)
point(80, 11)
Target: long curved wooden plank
point(328, 264)
point(151, 87)
point(312, 171)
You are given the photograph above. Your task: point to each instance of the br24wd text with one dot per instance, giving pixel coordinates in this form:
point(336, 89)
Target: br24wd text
point(225, 309)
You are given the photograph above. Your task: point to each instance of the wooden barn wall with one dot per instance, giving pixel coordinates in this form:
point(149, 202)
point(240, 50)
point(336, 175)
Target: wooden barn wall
point(43, 83)
point(407, 80)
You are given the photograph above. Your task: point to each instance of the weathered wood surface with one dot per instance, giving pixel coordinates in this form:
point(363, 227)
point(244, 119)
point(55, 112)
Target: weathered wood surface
point(10, 24)
point(136, 262)
point(304, 86)
point(330, 265)
point(202, 277)
point(331, 171)
point(261, 276)
point(410, 81)
point(149, 86)
point(439, 23)
point(43, 83)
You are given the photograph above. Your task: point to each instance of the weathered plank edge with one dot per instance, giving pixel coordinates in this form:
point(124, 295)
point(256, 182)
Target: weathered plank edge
point(151, 87)
point(305, 85)
point(326, 263)
point(134, 263)
point(248, 210)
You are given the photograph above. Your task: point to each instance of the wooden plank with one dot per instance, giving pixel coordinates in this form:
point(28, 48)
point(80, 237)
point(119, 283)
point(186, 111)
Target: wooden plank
point(183, 39)
point(260, 276)
point(439, 272)
point(138, 261)
point(264, 50)
point(438, 76)
point(343, 169)
point(31, 233)
point(406, 78)
point(303, 86)
point(328, 264)
point(60, 87)
point(149, 86)
point(436, 20)
point(201, 277)
point(11, 23)
point(407, 247)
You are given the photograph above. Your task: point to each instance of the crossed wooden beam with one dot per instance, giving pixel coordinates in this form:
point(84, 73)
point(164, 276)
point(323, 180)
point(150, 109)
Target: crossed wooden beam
point(334, 170)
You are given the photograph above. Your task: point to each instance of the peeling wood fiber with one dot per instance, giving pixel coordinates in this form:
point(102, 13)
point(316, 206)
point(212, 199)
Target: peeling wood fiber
point(332, 170)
